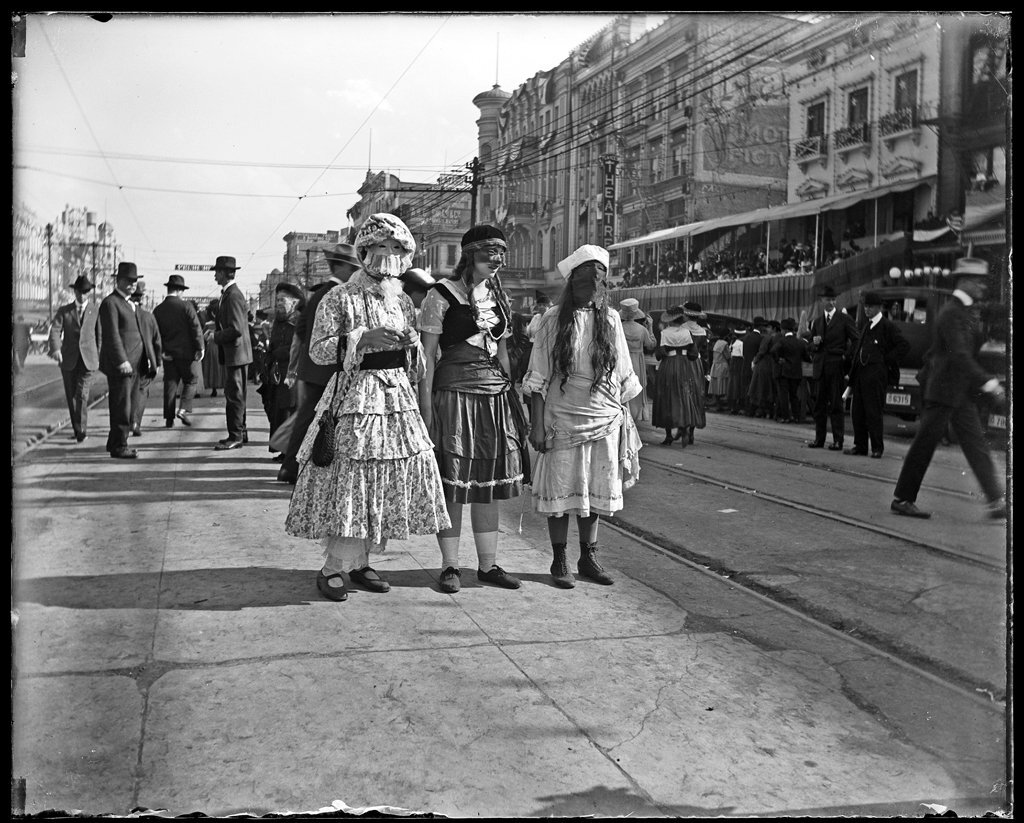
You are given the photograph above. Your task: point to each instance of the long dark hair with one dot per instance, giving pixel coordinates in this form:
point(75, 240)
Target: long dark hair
point(603, 354)
point(464, 272)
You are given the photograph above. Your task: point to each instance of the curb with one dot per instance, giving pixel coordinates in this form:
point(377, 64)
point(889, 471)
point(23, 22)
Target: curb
point(49, 431)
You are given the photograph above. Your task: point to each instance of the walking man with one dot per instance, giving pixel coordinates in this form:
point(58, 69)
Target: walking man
point(952, 379)
point(182, 336)
point(151, 359)
point(75, 345)
point(121, 355)
point(833, 336)
point(234, 351)
point(876, 356)
point(312, 378)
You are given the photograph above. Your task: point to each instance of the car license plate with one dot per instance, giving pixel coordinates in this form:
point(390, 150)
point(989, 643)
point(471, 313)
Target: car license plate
point(897, 398)
point(997, 421)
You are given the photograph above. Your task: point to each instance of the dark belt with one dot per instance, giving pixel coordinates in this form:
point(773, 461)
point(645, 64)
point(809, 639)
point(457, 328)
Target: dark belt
point(383, 360)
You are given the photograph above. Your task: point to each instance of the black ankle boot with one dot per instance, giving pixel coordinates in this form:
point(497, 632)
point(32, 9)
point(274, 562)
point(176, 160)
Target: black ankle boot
point(668, 438)
point(560, 568)
point(589, 567)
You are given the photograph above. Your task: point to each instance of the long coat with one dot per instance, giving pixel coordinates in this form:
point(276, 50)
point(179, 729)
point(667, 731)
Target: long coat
point(181, 334)
point(306, 370)
point(234, 346)
point(120, 335)
point(953, 371)
point(66, 337)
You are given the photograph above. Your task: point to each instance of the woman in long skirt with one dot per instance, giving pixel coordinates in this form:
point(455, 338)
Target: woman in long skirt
point(678, 402)
point(636, 326)
point(580, 379)
point(718, 388)
point(468, 402)
point(696, 359)
point(383, 481)
point(213, 369)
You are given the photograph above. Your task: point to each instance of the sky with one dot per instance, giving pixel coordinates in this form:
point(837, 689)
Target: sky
point(198, 135)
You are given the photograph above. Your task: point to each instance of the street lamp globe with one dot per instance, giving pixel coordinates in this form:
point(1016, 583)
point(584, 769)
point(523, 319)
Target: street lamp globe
point(894, 273)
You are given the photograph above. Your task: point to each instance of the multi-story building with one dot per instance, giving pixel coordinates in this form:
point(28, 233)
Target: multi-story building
point(35, 295)
point(303, 262)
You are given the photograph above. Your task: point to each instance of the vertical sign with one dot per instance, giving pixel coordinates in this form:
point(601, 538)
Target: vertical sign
point(609, 161)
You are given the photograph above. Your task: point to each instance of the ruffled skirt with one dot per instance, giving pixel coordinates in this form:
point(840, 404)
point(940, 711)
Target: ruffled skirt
point(383, 481)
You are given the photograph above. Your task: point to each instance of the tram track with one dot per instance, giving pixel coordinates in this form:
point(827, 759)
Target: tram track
point(989, 696)
point(859, 523)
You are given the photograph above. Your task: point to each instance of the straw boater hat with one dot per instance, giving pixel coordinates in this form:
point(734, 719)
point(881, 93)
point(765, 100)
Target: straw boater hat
point(629, 309)
point(581, 256)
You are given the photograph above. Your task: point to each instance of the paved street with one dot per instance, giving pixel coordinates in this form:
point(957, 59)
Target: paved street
point(171, 650)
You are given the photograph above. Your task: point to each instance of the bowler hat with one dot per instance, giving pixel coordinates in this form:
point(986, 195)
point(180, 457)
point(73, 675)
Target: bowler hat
point(175, 281)
point(759, 321)
point(827, 291)
point(872, 298)
point(127, 271)
point(289, 288)
point(788, 324)
point(225, 263)
point(417, 279)
point(341, 253)
point(970, 267)
point(82, 284)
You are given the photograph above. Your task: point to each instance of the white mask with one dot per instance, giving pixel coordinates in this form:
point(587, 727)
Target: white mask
point(385, 265)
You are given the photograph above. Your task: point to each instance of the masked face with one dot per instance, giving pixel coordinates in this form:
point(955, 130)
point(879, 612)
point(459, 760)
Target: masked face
point(487, 260)
point(587, 283)
point(385, 259)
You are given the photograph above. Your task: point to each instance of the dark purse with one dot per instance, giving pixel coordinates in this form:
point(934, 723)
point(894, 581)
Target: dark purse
point(322, 453)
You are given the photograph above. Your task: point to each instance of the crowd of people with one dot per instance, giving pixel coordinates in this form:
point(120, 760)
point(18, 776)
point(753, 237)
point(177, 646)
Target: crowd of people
point(394, 400)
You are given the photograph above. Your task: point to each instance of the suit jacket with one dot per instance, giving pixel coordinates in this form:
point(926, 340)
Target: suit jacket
point(234, 346)
point(882, 345)
point(837, 340)
point(181, 334)
point(76, 342)
point(120, 335)
point(150, 342)
point(953, 371)
point(791, 352)
point(752, 341)
point(306, 369)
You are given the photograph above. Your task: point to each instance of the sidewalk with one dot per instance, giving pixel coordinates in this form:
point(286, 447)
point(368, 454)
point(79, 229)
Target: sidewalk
point(172, 653)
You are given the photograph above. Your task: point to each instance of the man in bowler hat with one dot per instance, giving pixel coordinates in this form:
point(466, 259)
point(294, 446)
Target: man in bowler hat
point(182, 336)
point(75, 344)
point(312, 378)
point(952, 381)
point(877, 354)
point(121, 355)
point(234, 347)
point(833, 335)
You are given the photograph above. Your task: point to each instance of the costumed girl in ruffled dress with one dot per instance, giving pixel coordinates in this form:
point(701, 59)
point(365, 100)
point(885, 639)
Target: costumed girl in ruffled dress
point(581, 379)
point(477, 423)
point(383, 481)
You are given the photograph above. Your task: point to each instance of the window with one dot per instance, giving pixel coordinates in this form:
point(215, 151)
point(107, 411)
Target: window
point(988, 60)
point(905, 94)
point(451, 254)
point(816, 119)
point(678, 160)
point(655, 168)
point(857, 107)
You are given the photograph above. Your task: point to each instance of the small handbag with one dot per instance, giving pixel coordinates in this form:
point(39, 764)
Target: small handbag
point(322, 453)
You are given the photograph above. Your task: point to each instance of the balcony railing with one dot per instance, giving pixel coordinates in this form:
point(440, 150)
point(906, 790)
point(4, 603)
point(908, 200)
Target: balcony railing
point(810, 147)
point(848, 137)
point(898, 121)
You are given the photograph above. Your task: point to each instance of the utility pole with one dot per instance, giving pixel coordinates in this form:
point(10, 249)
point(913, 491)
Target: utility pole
point(475, 180)
point(306, 284)
point(49, 266)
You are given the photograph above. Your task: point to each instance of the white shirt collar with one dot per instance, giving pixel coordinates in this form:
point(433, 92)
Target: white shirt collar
point(875, 320)
point(963, 297)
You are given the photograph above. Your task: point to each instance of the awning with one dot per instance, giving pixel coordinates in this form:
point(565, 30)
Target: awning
point(809, 207)
point(658, 236)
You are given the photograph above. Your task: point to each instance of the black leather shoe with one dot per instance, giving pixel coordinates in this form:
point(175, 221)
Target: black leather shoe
point(124, 454)
point(185, 417)
point(450, 582)
point(816, 444)
point(876, 454)
point(499, 577)
point(336, 593)
point(136, 431)
point(855, 451)
point(245, 437)
point(80, 437)
point(368, 578)
point(908, 509)
point(169, 423)
point(835, 447)
point(286, 475)
point(229, 443)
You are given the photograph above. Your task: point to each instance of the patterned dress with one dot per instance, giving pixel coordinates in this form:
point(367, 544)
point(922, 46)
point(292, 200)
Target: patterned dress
point(593, 445)
point(478, 423)
point(383, 482)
